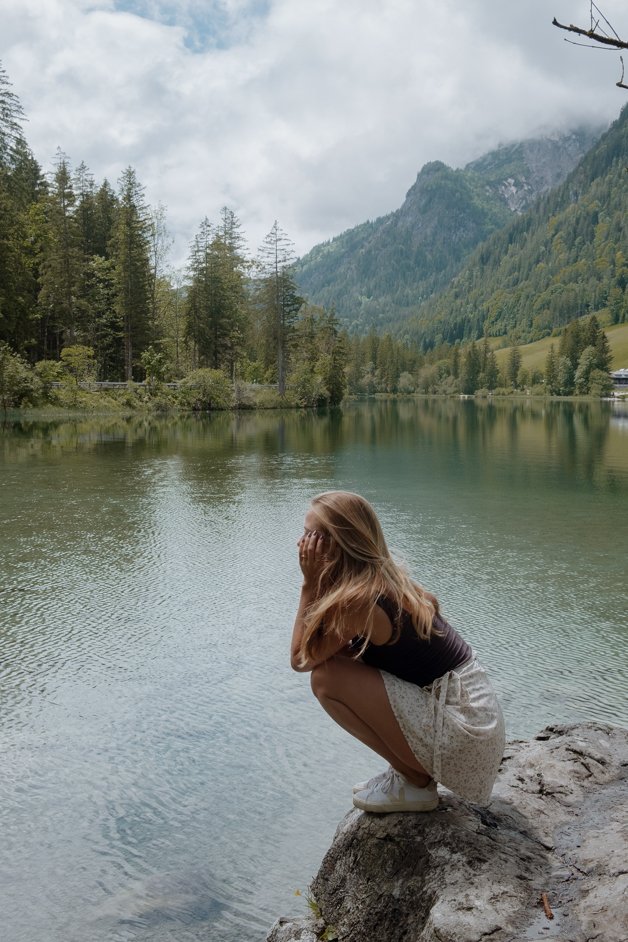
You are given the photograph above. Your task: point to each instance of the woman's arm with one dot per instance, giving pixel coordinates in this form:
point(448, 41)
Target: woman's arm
point(358, 621)
point(311, 561)
point(329, 645)
point(361, 620)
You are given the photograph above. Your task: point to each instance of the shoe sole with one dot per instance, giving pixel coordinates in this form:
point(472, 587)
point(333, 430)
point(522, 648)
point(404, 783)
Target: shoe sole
point(390, 808)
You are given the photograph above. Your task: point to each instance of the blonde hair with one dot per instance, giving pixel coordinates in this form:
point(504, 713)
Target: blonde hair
point(358, 570)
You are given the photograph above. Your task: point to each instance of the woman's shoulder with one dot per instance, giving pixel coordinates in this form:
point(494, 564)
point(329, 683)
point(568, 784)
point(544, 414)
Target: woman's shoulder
point(397, 609)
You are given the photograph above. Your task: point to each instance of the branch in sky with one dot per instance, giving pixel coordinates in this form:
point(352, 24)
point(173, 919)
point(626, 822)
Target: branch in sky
point(598, 37)
point(591, 34)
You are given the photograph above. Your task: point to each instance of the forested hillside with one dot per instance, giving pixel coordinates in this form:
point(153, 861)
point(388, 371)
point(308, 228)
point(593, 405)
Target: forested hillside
point(566, 257)
point(379, 272)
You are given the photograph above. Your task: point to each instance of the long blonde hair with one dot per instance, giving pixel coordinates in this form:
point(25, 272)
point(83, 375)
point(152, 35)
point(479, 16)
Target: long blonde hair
point(358, 569)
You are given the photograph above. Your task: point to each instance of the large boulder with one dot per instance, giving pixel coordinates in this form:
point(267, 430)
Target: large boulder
point(548, 859)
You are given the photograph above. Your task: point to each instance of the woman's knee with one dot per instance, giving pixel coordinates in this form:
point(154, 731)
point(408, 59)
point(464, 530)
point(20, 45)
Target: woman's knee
point(324, 679)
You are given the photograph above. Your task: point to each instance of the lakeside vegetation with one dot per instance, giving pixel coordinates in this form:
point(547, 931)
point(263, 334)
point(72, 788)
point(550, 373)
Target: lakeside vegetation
point(576, 362)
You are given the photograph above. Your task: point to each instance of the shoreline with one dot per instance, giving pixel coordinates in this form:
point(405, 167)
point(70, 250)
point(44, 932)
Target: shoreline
point(106, 409)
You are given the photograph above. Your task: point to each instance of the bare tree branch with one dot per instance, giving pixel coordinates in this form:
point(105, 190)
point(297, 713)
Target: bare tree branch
point(610, 25)
point(591, 34)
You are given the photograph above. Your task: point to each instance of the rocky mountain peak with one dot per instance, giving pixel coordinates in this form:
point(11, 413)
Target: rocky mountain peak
point(518, 173)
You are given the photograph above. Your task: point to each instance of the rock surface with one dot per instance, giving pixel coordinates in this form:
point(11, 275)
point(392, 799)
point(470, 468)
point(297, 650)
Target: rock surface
point(557, 825)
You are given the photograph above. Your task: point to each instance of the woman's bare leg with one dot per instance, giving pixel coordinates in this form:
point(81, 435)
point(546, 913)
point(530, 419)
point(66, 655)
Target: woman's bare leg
point(355, 697)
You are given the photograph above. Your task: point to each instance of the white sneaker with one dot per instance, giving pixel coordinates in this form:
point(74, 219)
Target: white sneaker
point(393, 792)
point(362, 786)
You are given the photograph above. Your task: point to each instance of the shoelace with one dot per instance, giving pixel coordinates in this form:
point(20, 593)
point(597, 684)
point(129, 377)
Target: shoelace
point(376, 779)
point(389, 781)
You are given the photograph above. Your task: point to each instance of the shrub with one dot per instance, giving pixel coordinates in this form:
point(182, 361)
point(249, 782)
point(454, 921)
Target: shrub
point(203, 390)
point(407, 383)
point(18, 382)
point(600, 383)
point(48, 372)
point(270, 399)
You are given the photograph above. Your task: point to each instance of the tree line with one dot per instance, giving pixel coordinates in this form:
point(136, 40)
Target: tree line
point(84, 265)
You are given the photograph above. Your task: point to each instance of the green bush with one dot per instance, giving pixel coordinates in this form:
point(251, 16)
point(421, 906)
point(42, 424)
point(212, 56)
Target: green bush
point(48, 372)
point(18, 382)
point(600, 383)
point(270, 399)
point(203, 390)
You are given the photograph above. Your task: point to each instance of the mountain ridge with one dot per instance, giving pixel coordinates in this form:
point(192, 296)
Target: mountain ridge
point(377, 273)
point(566, 257)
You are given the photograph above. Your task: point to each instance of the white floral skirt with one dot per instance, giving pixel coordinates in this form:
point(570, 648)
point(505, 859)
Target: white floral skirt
point(454, 727)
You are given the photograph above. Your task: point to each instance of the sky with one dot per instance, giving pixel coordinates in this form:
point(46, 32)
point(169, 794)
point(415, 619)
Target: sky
point(315, 113)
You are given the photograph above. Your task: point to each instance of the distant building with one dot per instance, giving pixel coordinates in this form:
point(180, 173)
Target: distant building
point(620, 377)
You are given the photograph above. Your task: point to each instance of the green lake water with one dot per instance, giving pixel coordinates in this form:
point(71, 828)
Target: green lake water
point(165, 776)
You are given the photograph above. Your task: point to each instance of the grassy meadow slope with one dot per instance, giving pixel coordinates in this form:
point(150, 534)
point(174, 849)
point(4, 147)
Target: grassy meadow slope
point(533, 355)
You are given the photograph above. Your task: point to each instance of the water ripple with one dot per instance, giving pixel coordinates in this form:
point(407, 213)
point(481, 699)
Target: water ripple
point(166, 778)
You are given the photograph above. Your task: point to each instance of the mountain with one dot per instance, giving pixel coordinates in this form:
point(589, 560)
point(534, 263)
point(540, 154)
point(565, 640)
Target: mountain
point(567, 256)
point(377, 273)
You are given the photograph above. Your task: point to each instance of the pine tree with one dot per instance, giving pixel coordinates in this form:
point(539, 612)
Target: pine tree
point(105, 210)
point(489, 370)
point(565, 376)
point(216, 304)
point(513, 365)
point(85, 211)
point(21, 184)
point(235, 267)
point(160, 244)
point(197, 302)
point(355, 364)
point(551, 372)
point(278, 299)
point(571, 343)
point(470, 374)
point(603, 355)
point(104, 332)
point(130, 248)
point(586, 365)
point(61, 267)
point(171, 325)
point(320, 356)
point(590, 332)
point(11, 120)
point(455, 361)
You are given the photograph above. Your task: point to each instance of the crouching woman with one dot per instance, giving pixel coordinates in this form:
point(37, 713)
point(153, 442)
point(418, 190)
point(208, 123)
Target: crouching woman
point(387, 666)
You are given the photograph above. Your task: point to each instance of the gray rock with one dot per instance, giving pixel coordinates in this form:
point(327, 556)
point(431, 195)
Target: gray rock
point(556, 825)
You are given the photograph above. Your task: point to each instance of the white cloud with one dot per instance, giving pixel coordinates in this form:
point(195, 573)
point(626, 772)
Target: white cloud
point(315, 112)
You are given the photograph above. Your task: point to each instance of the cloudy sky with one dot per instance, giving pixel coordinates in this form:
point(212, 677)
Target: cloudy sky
point(317, 113)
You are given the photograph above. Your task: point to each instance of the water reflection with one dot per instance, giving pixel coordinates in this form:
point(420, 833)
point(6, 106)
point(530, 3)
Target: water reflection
point(148, 582)
point(574, 433)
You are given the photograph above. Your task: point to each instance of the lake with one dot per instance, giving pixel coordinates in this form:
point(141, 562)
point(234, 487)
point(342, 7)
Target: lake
point(165, 776)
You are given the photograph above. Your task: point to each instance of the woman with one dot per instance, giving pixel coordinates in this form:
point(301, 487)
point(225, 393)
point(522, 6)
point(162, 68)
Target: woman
point(387, 667)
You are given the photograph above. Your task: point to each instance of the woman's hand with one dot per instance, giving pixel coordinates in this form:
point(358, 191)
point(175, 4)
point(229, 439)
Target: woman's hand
point(312, 557)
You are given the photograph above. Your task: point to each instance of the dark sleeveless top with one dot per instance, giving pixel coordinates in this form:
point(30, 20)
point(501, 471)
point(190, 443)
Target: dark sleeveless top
point(410, 657)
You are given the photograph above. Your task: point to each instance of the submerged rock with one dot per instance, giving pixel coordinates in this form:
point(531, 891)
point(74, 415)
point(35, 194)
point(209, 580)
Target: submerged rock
point(548, 859)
